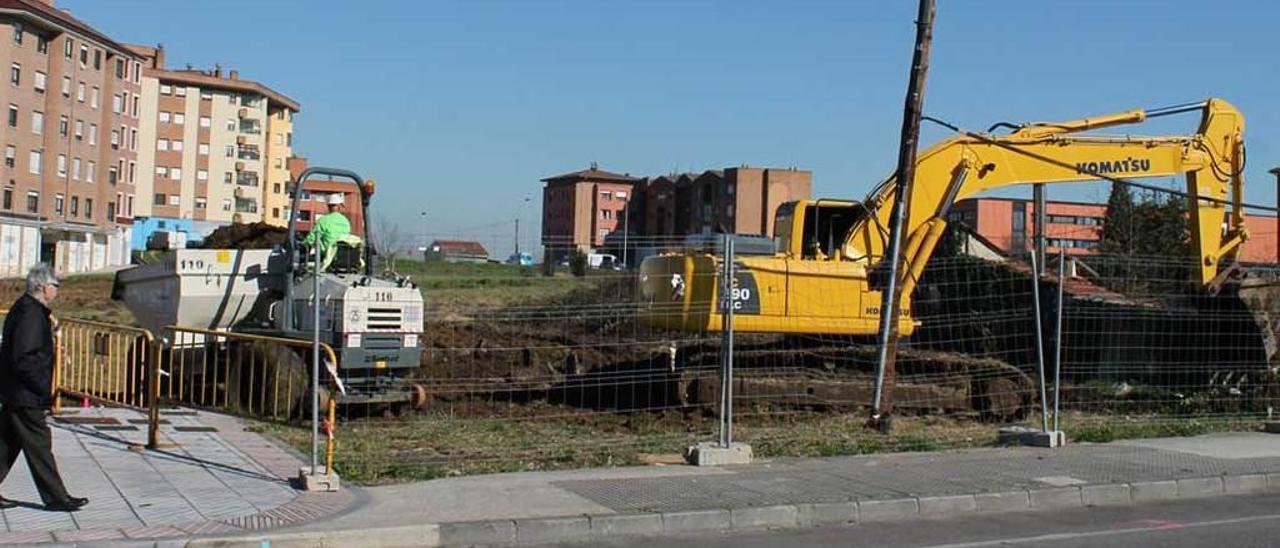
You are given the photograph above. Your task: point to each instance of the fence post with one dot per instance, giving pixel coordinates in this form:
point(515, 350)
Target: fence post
point(726, 346)
point(1057, 337)
point(151, 350)
point(1035, 300)
point(59, 359)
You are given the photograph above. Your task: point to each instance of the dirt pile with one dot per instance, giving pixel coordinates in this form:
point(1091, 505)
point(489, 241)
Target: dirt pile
point(246, 236)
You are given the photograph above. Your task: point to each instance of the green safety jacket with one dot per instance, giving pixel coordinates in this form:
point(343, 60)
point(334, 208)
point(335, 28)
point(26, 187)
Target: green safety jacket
point(331, 227)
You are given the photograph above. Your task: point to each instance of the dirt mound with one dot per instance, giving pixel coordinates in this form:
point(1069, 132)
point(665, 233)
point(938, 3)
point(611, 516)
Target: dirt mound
point(246, 236)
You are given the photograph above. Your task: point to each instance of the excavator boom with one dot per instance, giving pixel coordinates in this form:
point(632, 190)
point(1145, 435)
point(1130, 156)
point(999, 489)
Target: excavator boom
point(818, 282)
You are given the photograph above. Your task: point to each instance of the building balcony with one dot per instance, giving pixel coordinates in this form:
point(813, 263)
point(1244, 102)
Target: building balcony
point(248, 153)
point(246, 205)
point(251, 127)
point(247, 178)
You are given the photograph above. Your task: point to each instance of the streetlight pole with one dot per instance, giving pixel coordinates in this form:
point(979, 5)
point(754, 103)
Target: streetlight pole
point(626, 215)
point(519, 211)
point(425, 243)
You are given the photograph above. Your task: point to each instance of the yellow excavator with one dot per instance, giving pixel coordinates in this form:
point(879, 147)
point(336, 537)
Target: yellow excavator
point(826, 277)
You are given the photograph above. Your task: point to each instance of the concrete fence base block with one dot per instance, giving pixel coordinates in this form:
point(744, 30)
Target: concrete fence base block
point(947, 506)
point(1272, 427)
point(322, 480)
point(710, 453)
point(1030, 437)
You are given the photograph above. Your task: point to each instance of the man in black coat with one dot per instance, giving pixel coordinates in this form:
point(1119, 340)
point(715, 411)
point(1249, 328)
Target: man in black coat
point(26, 391)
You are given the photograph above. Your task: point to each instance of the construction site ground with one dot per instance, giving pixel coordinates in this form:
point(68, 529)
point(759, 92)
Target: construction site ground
point(210, 476)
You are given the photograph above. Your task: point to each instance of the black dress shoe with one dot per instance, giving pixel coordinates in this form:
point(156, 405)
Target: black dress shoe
point(6, 504)
point(70, 505)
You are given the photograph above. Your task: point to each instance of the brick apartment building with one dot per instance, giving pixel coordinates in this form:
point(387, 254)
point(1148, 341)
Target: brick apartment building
point(592, 209)
point(216, 145)
point(66, 186)
point(1076, 227)
point(314, 199)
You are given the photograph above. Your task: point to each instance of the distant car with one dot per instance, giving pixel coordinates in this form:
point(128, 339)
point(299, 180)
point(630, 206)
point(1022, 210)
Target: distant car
point(522, 259)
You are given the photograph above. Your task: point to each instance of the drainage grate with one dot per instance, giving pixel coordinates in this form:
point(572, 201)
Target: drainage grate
point(195, 429)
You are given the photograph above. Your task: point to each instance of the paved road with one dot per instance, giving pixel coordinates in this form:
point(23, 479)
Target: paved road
point(1236, 521)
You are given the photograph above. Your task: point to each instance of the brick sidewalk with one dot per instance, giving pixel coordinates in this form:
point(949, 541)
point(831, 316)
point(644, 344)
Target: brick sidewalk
point(219, 479)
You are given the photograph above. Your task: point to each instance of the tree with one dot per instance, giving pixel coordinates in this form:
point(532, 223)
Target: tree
point(387, 239)
point(1117, 227)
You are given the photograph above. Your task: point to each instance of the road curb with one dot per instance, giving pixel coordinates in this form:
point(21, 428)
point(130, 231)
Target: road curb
point(527, 531)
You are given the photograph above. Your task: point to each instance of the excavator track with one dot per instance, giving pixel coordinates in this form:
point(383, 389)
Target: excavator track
point(818, 374)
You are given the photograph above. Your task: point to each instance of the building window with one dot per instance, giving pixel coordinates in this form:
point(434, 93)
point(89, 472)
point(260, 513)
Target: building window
point(42, 44)
point(75, 168)
point(201, 203)
point(276, 188)
point(227, 177)
point(79, 130)
point(88, 174)
point(80, 92)
point(75, 206)
point(94, 96)
point(33, 201)
point(166, 89)
point(37, 122)
point(179, 118)
point(133, 169)
point(17, 33)
point(205, 121)
point(113, 175)
point(202, 175)
point(202, 149)
point(175, 173)
point(226, 204)
point(160, 199)
point(133, 139)
point(162, 171)
point(8, 198)
point(231, 151)
point(62, 165)
point(93, 134)
point(36, 158)
point(97, 59)
point(10, 152)
point(111, 210)
point(41, 81)
point(58, 202)
point(206, 95)
point(88, 208)
point(119, 68)
point(275, 213)
point(13, 115)
point(134, 110)
point(115, 139)
point(231, 124)
point(164, 117)
point(62, 126)
point(606, 214)
point(180, 91)
point(177, 146)
point(175, 199)
point(15, 74)
point(66, 86)
point(84, 55)
point(162, 144)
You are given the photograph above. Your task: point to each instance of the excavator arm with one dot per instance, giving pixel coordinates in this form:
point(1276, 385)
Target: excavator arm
point(824, 277)
point(972, 163)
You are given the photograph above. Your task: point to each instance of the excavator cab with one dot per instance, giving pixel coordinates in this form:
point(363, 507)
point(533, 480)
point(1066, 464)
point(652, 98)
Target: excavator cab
point(822, 227)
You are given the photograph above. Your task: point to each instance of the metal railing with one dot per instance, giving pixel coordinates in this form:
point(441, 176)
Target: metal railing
point(103, 362)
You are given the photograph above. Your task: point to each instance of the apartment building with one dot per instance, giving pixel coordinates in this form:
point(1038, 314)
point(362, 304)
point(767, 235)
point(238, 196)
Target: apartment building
point(314, 200)
point(70, 141)
point(1076, 227)
point(595, 209)
point(215, 145)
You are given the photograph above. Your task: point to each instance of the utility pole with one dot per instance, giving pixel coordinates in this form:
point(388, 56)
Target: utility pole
point(1276, 171)
point(517, 239)
point(1042, 216)
point(626, 215)
point(891, 296)
point(425, 243)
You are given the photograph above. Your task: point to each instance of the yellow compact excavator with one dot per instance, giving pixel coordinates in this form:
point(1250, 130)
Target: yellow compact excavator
point(829, 252)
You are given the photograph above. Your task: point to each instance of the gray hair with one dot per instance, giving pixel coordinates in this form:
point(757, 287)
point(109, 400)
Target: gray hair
point(39, 276)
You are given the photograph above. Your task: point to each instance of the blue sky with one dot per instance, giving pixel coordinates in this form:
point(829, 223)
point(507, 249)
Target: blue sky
point(458, 108)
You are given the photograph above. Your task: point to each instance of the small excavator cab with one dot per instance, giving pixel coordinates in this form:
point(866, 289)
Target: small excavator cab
point(823, 225)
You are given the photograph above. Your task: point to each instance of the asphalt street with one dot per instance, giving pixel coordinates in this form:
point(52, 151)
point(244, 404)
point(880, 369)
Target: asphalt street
point(1235, 521)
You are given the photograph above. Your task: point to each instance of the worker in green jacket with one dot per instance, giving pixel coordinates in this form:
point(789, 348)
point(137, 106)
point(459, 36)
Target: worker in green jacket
point(330, 229)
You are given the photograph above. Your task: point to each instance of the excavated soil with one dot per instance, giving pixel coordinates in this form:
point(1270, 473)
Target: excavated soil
point(258, 235)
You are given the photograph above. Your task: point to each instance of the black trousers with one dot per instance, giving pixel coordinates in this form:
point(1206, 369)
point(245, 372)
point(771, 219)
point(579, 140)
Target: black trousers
point(23, 429)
